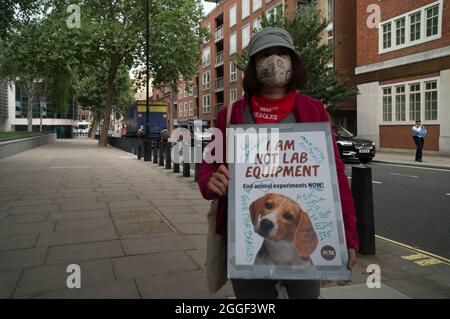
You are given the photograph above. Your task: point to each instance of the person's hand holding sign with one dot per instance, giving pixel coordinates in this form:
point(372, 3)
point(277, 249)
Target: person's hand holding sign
point(350, 264)
point(218, 181)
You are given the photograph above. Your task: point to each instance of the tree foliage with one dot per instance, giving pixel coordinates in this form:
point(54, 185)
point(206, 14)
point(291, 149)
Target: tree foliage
point(110, 41)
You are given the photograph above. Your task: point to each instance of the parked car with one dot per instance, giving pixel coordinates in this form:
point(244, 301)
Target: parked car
point(352, 147)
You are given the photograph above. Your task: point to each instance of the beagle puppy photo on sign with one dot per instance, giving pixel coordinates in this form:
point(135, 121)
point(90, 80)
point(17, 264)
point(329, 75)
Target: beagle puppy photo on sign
point(289, 236)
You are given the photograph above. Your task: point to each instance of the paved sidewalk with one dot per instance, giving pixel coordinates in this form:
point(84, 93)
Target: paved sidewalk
point(137, 231)
point(429, 160)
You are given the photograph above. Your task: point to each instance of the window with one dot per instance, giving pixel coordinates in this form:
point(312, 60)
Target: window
point(206, 80)
point(330, 11)
point(233, 95)
point(257, 24)
point(206, 58)
point(191, 108)
point(233, 15)
point(431, 101)
point(414, 21)
point(180, 92)
point(257, 4)
point(233, 72)
point(414, 102)
point(245, 35)
point(387, 104)
point(400, 103)
point(186, 90)
point(185, 109)
point(387, 36)
point(180, 110)
point(411, 28)
point(206, 103)
point(233, 43)
point(275, 12)
point(400, 31)
point(432, 20)
point(245, 9)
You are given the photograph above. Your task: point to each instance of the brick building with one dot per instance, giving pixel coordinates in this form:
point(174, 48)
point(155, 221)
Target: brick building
point(231, 25)
point(403, 73)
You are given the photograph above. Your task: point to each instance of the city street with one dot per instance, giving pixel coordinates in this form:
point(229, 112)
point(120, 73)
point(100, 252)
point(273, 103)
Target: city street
point(412, 205)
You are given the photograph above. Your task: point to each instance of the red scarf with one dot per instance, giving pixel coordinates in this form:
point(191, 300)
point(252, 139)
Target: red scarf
point(266, 110)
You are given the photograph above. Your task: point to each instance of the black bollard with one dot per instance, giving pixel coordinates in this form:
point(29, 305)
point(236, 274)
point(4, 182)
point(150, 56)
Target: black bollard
point(147, 151)
point(161, 153)
point(139, 149)
point(168, 156)
point(131, 145)
point(176, 166)
point(197, 167)
point(363, 198)
point(186, 170)
point(155, 152)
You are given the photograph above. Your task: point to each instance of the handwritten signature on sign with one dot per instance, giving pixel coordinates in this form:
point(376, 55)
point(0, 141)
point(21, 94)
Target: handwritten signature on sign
point(315, 152)
point(321, 217)
point(248, 230)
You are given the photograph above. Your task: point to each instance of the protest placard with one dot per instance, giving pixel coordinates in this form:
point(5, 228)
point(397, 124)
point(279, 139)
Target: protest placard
point(284, 211)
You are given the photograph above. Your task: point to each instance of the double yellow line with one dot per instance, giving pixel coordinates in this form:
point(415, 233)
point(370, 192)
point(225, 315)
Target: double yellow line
point(440, 258)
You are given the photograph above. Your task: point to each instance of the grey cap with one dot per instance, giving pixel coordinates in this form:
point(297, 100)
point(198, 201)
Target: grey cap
point(267, 38)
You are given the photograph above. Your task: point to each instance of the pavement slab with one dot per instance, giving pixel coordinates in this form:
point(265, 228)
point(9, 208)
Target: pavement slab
point(155, 243)
point(152, 264)
point(13, 242)
point(22, 258)
point(54, 277)
point(109, 290)
point(102, 233)
point(80, 252)
point(8, 281)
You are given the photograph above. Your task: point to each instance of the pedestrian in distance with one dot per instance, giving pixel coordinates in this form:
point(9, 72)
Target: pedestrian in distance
point(419, 132)
point(273, 80)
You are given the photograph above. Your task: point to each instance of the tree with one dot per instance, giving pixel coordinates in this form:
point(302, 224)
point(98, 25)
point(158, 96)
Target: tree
point(112, 34)
point(306, 29)
point(29, 59)
point(25, 60)
point(13, 11)
point(90, 92)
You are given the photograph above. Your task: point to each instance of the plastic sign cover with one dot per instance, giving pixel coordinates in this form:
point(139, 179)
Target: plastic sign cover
point(284, 211)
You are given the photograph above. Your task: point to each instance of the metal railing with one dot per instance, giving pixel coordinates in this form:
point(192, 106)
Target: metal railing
point(218, 35)
point(219, 84)
point(219, 59)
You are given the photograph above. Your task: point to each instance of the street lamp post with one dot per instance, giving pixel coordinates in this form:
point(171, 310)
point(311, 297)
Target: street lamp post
point(147, 98)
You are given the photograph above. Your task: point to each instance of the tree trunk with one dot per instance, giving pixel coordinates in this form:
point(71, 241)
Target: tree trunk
point(93, 128)
point(113, 65)
point(30, 114)
point(40, 114)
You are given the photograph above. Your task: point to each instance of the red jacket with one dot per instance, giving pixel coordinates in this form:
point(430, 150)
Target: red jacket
point(306, 110)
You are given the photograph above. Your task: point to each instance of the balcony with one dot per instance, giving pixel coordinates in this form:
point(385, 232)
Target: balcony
point(218, 35)
point(219, 85)
point(219, 59)
point(219, 106)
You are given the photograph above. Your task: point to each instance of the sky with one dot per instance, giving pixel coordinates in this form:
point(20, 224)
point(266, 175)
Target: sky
point(207, 7)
